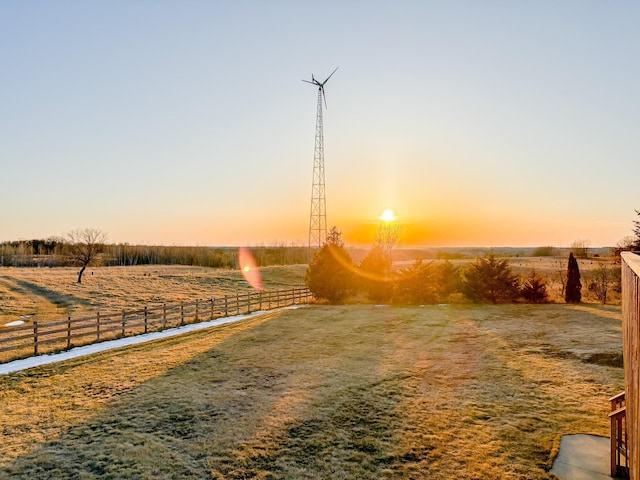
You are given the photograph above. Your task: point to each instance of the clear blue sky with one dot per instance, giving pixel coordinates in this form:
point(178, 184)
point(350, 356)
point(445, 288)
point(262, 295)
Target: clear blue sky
point(185, 122)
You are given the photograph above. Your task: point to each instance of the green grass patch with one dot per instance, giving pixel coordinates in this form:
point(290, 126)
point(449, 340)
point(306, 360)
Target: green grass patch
point(357, 391)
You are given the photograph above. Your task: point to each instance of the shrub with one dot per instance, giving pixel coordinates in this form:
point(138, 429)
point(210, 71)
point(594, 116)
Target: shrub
point(427, 283)
point(490, 279)
point(329, 275)
point(449, 280)
point(534, 288)
point(376, 275)
point(546, 251)
point(417, 285)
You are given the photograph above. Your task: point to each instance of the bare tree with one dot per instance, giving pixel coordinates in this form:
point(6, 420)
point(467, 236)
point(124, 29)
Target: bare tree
point(580, 248)
point(388, 236)
point(84, 246)
point(636, 232)
point(600, 282)
point(560, 273)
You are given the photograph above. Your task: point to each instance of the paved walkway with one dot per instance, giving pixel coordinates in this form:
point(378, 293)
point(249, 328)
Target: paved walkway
point(582, 457)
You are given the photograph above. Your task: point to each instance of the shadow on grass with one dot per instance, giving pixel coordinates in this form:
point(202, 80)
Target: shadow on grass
point(339, 392)
point(231, 412)
point(56, 298)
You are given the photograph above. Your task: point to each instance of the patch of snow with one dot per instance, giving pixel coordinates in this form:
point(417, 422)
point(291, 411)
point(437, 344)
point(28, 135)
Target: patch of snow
point(294, 307)
point(15, 323)
point(31, 362)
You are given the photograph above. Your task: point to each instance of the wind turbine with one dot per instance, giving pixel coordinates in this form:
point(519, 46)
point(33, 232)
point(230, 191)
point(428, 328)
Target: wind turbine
point(320, 85)
point(318, 217)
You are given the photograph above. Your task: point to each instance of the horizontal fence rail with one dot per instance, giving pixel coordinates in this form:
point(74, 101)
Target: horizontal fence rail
point(45, 337)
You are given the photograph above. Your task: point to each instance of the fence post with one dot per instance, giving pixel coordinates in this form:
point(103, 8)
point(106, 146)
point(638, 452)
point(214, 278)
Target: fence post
point(197, 301)
point(226, 305)
point(277, 298)
point(237, 303)
point(145, 319)
point(123, 323)
point(98, 327)
point(212, 301)
point(68, 333)
point(164, 316)
point(35, 337)
point(260, 299)
point(181, 313)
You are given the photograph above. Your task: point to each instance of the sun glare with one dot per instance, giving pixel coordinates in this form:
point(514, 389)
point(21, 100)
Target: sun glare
point(249, 268)
point(388, 215)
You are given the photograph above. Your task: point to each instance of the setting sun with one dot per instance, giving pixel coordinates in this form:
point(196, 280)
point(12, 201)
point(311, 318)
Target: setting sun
point(388, 215)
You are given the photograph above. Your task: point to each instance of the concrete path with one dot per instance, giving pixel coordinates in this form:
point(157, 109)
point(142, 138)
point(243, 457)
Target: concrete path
point(582, 457)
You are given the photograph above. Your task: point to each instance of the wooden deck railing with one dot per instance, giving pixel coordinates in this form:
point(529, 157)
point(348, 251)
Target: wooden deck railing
point(619, 448)
point(631, 347)
point(45, 337)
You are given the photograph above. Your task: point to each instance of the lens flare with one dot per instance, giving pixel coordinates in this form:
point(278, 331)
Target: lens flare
point(249, 268)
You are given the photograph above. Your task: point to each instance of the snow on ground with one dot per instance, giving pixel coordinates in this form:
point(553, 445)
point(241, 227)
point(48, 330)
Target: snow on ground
point(25, 363)
point(14, 323)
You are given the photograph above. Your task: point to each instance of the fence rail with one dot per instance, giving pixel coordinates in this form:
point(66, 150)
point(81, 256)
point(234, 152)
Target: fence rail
point(631, 346)
point(45, 337)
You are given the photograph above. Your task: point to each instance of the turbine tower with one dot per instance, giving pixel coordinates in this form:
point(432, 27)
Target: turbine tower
point(318, 217)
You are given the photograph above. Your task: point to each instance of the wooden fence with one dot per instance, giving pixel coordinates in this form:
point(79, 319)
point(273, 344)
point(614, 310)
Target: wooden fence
point(631, 350)
point(45, 337)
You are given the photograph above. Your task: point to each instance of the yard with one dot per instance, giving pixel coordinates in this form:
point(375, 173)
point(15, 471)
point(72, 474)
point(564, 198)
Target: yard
point(357, 391)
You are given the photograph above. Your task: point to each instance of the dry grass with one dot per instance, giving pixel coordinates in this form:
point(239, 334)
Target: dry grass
point(465, 392)
point(52, 293)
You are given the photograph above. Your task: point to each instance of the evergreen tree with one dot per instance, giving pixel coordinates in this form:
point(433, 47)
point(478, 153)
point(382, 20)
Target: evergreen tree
point(329, 275)
point(491, 279)
point(573, 291)
point(417, 285)
point(534, 288)
point(375, 272)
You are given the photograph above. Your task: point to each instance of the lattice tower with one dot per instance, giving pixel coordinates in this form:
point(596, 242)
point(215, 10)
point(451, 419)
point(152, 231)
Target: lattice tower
point(318, 217)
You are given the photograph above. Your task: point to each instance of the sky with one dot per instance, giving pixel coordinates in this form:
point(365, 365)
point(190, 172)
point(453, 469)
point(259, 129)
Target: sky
point(480, 123)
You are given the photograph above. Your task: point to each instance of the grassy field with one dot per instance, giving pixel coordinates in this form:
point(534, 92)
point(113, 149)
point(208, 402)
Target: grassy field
point(355, 392)
point(52, 293)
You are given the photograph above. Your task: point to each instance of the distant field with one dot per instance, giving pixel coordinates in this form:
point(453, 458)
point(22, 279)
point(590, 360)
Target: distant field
point(52, 293)
point(449, 392)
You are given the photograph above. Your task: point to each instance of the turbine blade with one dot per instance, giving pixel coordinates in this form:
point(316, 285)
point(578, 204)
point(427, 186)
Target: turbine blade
point(308, 82)
point(330, 76)
point(324, 97)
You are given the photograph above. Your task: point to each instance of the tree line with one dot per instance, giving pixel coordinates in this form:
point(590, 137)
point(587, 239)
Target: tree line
point(88, 246)
point(333, 276)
